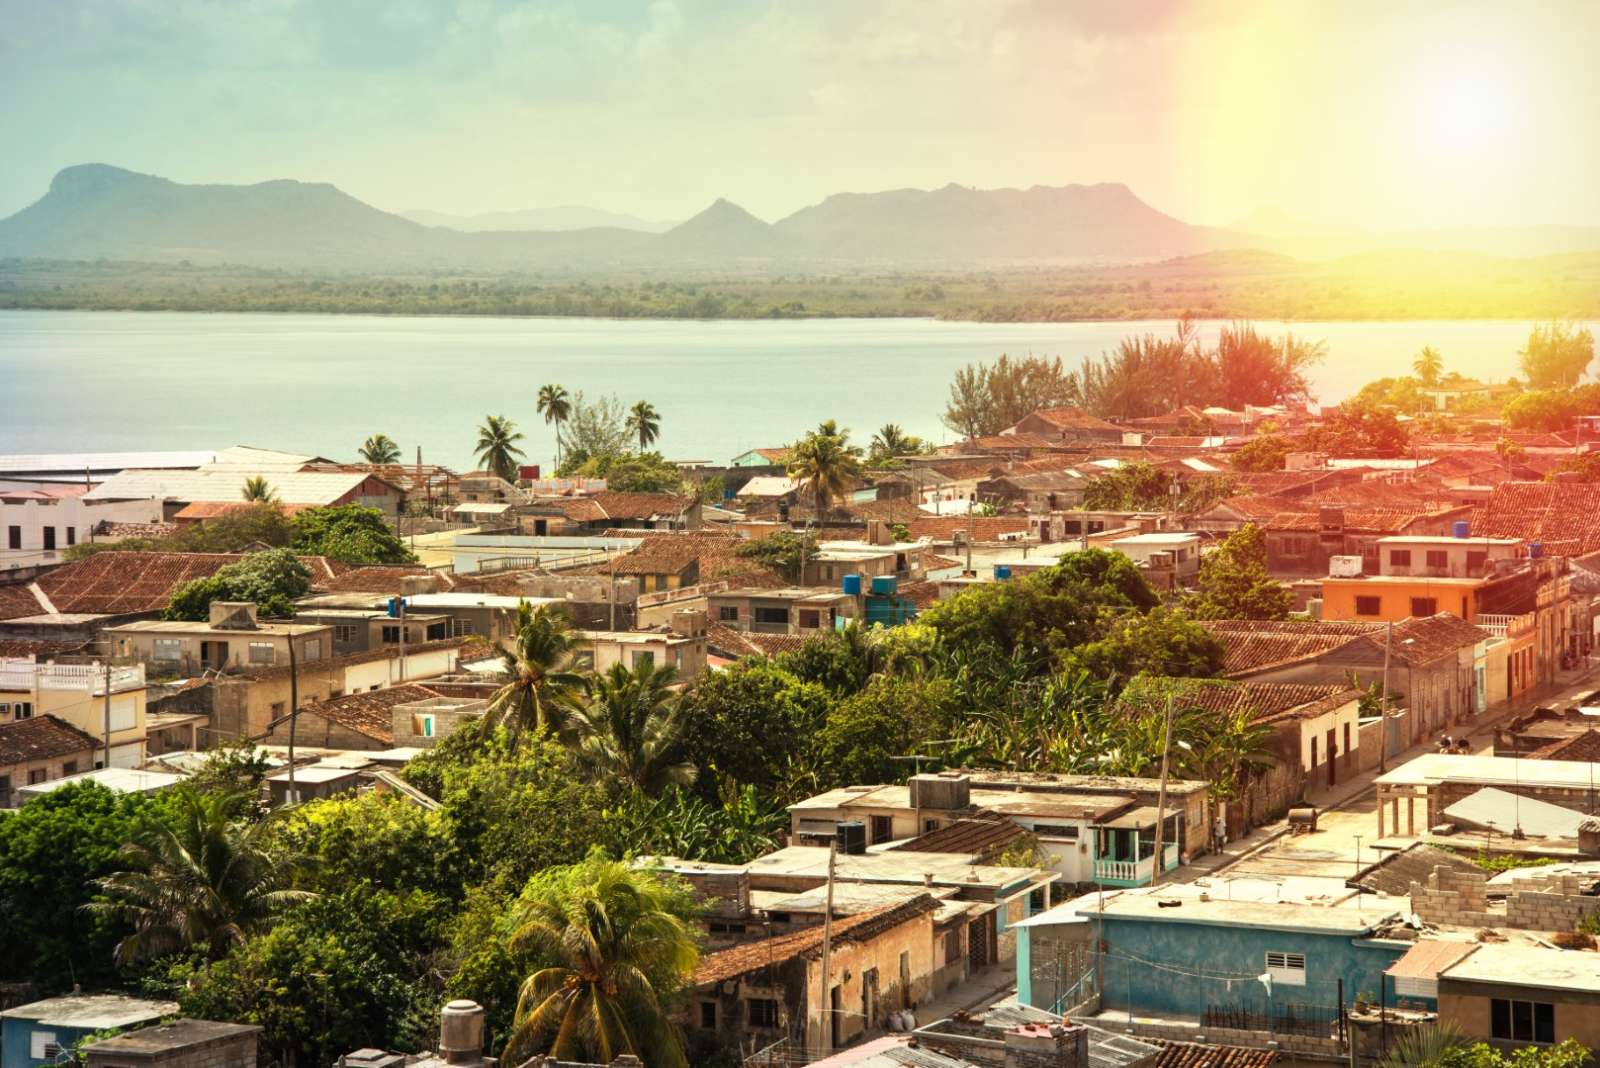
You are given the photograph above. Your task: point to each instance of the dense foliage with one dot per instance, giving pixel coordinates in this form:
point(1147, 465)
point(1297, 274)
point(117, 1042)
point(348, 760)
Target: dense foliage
point(1234, 584)
point(351, 534)
point(1557, 355)
point(271, 579)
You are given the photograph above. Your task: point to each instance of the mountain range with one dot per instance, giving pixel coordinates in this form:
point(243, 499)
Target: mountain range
point(564, 217)
point(97, 211)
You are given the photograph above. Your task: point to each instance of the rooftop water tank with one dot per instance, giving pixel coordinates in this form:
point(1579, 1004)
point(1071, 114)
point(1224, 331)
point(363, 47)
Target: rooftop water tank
point(852, 585)
point(461, 1032)
point(1001, 572)
point(1461, 528)
point(884, 585)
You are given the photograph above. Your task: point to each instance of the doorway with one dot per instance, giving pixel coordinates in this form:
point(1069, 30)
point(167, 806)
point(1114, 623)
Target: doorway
point(835, 1018)
point(1333, 758)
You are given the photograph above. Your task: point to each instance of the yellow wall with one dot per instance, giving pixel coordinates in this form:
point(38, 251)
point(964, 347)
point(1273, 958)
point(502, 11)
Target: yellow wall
point(1395, 594)
point(87, 712)
point(1576, 1015)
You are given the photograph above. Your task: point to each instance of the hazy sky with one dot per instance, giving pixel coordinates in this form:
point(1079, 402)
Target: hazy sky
point(1382, 113)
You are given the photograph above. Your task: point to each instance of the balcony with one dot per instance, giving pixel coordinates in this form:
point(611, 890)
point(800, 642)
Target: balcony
point(25, 675)
point(1108, 872)
point(1506, 626)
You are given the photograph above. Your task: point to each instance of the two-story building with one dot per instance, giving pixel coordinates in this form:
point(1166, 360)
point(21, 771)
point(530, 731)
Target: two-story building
point(789, 610)
point(43, 520)
point(232, 638)
point(76, 694)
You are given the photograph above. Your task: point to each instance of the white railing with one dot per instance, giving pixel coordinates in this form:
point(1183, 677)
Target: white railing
point(79, 678)
point(1501, 626)
point(1123, 870)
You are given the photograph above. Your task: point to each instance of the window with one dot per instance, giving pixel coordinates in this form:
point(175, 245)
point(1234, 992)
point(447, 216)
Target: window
point(1522, 1021)
point(42, 1045)
point(1055, 830)
point(1424, 606)
point(1438, 558)
point(720, 927)
point(810, 619)
point(344, 633)
point(762, 1012)
point(774, 616)
point(1476, 562)
point(643, 658)
point(778, 917)
point(1369, 606)
point(72, 535)
point(460, 628)
point(49, 537)
point(708, 1015)
point(261, 652)
point(277, 709)
point(952, 945)
point(313, 649)
point(422, 724)
point(168, 649)
point(5, 791)
point(1399, 557)
point(728, 613)
point(35, 775)
point(882, 828)
point(14, 537)
point(1287, 968)
point(391, 635)
point(22, 710)
point(69, 767)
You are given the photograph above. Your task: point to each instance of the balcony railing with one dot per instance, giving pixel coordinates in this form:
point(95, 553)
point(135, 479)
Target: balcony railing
point(1134, 872)
point(78, 678)
point(1506, 626)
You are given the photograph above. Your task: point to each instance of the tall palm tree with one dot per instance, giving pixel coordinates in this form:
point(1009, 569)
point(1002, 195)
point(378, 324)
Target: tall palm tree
point(645, 422)
point(380, 449)
point(891, 441)
point(1428, 366)
point(628, 727)
point(542, 683)
point(826, 463)
point(497, 446)
point(257, 490)
point(556, 407)
point(619, 948)
point(203, 877)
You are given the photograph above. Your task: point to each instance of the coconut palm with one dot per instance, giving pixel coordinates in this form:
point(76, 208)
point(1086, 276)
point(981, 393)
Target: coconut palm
point(1428, 366)
point(257, 490)
point(1425, 1046)
point(556, 407)
point(628, 727)
point(380, 449)
point(644, 422)
point(497, 446)
point(542, 682)
point(891, 441)
point(619, 948)
point(826, 464)
point(203, 877)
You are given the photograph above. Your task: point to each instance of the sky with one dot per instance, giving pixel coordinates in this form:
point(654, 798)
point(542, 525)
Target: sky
point(1379, 113)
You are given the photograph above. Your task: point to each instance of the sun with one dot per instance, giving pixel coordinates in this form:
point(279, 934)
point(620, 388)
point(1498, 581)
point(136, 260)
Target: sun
point(1464, 105)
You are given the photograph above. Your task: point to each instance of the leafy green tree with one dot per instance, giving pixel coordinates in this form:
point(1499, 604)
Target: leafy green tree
point(258, 490)
point(351, 534)
point(629, 728)
point(645, 423)
point(1234, 584)
point(380, 449)
point(272, 579)
point(614, 944)
point(1148, 375)
point(52, 851)
point(866, 733)
point(497, 446)
point(712, 490)
point(738, 828)
point(1133, 487)
point(203, 877)
point(746, 726)
point(1447, 1046)
point(376, 840)
point(987, 398)
point(597, 434)
point(1428, 366)
point(1551, 410)
point(1264, 452)
point(782, 552)
point(262, 523)
point(1163, 641)
point(1403, 393)
point(541, 682)
point(556, 407)
point(647, 472)
point(826, 464)
point(1557, 355)
point(1255, 369)
point(1358, 430)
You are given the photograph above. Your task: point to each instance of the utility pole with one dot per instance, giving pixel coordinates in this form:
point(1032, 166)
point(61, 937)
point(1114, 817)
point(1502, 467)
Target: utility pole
point(1383, 701)
point(1161, 795)
point(827, 950)
point(294, 716)
point(108, 711)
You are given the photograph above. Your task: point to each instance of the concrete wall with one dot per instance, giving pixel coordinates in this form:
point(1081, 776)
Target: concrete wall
point(1551, 903)
point(1467, 1005)
point(226, 1051)
point(855, 960)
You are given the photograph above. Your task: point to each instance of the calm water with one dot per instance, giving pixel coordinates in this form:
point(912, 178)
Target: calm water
point(80, 381)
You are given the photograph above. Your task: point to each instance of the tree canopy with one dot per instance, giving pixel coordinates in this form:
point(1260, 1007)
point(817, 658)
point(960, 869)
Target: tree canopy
point(271, 579)
point(1557, 355)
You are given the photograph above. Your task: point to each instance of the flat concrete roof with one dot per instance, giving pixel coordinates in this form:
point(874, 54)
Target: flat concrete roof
point(848, 898)
point(92, 1012)
point(1529, 966)
point(119, 780)
point(1282, 916)
point(263, 629)
point(1431, 769)
point(177, 1035)
point(893, 866)
point(1434, 539)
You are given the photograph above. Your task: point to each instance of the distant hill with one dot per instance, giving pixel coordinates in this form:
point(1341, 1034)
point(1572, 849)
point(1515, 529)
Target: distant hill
point(566, 217)
point(95, 211)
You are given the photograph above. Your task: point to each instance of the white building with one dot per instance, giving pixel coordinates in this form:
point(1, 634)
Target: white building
point(38, 523)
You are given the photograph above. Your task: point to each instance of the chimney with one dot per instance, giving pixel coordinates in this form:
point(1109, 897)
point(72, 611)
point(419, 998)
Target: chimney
point(233, 615)
point(461, 1032)
point(1047, 1046)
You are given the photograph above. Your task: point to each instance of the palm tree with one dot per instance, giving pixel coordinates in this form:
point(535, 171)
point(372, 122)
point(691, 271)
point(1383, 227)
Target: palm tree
point(203, 877)
point(891, 441)
point(556, 407)
point(619, 948)
point(1428, 366)
point(826, 463)
point(542, 683)
point(497, 446)
point(258, 491)
point(644, 421)
point(380, 449)
point(1422, 1047)
point(628, 727)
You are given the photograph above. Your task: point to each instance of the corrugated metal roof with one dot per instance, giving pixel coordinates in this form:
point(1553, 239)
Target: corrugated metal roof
point(1505, 811)
point(76, 462)
point(291, 487)
point(1428, 958)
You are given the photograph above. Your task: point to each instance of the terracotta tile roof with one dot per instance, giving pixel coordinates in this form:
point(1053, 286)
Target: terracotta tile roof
point(1584, 747)
point(619, 505)
point(1429, 638)
point(1072, 418)
point(1009, 442)
point(577, 509)
point(921, 594)
point(1371, 520)
point(378, 578)
point(806, 943)
point(738, 643)
point(669, 552)
point(17, 601)
point(980, 832)
point(979, 527)
point(1265, 701)
point(28, 648)
point(1201, 1055)
point(196, 510)
point(120, 531)
point(1252, 645)
point(121, 583)
point(41, 737)
point(371, 713)
point(1563, 516)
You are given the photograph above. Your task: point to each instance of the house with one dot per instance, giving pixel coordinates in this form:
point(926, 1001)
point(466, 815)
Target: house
point(1414, 796)
point(38, 1033)
point(232, 638)
point(1037, 491)
point(769, 490)
point(600, 650)
point(73, 601)
point(76, 694)
point(41, 748)
point(296, 483)
point(1067, 424)
point(364, 720)
point(800, 610)
point(117, 780)
point(602, 510)
point(1522, 995)
point(1562, 517)
point(1169, 559)
point(760, 458)
point(42, 521)
point(880, 555)
point(182, 1043)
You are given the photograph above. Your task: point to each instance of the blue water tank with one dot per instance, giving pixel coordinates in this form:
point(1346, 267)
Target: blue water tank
point(884, 585)
point(1535, 550)
point(394, 607)
point(1461, 528)
point(852, 585)
point(1001, 572)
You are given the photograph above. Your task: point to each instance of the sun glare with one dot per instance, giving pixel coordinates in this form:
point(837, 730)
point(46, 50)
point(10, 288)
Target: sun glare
point(1464, 105)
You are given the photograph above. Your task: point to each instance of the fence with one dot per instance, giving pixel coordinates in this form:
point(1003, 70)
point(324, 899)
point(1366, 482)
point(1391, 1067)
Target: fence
point(1288, 1018)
